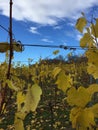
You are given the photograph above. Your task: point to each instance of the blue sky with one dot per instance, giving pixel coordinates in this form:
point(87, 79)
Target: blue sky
point(45, 22)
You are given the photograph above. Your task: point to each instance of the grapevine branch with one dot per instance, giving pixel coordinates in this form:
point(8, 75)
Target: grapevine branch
point(11, 47)
point(93, 27)
point(9, 64)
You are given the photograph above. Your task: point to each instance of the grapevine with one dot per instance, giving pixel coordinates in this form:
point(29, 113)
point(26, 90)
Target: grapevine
point(84, 111)
point(21, 88)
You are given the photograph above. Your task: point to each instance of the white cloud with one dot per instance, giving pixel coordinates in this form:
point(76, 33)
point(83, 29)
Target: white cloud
point(45, 11)
point(34, 30)
point(57, 27)
point(65, 43)
point(46, 40)
point(78, 37)
point(72, 23)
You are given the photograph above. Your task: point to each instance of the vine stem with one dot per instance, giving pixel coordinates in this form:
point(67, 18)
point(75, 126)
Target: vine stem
point(11, 38)
point(4, 93)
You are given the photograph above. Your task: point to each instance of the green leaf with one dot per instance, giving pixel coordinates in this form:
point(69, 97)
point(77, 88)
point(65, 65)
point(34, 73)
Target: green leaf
point(32, 98)
point(4, 47)
point(81, 23)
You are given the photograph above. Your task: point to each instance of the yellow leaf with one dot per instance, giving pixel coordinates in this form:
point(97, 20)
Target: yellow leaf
point(77, 96)
point(4, 47)
point(95, 29)
point(32, 98)
point(81, 23)
point(20, 100)
point(92, 62)
point(20, 115)
point(94, 109)
point(56, 71)
point(64, 81)
point(82, 128)
point(75, 112)
point(86, 118)
point(11, 85)
point(93, 88)
point(82, 118)
point(56, 52)
point(18, 124)
point(86, 41)
point(92, 56)
point(93, 70)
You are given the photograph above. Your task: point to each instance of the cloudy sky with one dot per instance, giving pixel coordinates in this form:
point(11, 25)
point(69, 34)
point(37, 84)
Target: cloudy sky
point(45, 22)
